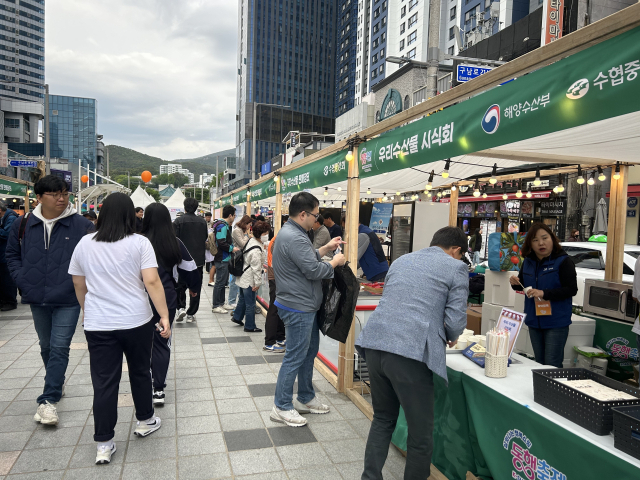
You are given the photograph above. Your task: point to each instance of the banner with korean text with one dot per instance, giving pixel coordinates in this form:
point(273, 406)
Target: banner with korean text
point(323, 172)
point(239, 197)
point(595, 84)
point(266, 189)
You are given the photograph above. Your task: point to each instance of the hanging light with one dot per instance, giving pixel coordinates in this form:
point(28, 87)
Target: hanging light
point(384, 199)
point(504, 191)
point(326, 191)
point(397, 193)
point(349, 156)
point(555, 189)
point(368, 191)
point(392, 198)
point(276, 177)
point(445, 173)
point(519, 192)
point(484, 191)
point(402, 197)
point(601, 176)
point(324, 204)
point(529, 194)
point(560, 186)
point(429, 194)
point(476, 189)
point(592, 179)
point(429, 185)
point(616, 173)
point(344, 205)
point(580, 179)
point(453, 187)
point(339, 189)
point(439, 193)
point(493, 180)
point(537, 181)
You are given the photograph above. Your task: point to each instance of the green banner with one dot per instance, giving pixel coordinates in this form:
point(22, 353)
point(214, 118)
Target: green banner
point(216, 204)
point(239, 198)
point(595, 84)
point(12, 188)
point(224, 201)
point(323, 172)
point(263, 190)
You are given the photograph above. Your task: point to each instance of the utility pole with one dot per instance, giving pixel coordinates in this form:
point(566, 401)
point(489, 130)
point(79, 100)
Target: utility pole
point(433, 48)
point(107, 148)
point(47, 140)
point(128, 180)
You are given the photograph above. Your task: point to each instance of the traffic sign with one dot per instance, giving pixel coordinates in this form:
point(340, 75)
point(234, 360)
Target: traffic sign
point(24, 163)
point(464, 73)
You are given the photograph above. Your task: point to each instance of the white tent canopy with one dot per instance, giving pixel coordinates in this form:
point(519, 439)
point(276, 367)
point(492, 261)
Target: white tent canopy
point(176, 200)
point(140, 198)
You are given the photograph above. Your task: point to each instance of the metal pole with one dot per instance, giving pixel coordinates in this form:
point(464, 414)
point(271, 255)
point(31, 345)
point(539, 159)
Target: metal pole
point(128, 180)
point(79, 186)
point(253, 149)
point(108, 176)
point(433, 48)
point(217, 189)
point(47, 140)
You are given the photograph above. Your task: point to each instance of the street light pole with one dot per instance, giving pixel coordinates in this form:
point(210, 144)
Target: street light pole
point(47, 140)
point(433, 50)
point(253, 148)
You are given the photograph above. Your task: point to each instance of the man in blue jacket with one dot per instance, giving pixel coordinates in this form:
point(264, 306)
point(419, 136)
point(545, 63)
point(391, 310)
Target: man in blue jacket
point(423, 307)
point(38, 255)
point(8, 290)
point(371, 258)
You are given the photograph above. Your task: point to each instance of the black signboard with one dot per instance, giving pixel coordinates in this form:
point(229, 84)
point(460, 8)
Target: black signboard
point(553, 208)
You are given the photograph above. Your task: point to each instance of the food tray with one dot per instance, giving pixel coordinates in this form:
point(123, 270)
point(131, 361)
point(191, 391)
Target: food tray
point(626, 429)
point(594, 415)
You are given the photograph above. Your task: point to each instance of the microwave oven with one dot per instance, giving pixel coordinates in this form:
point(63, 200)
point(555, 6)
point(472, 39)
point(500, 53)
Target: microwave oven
point(610, 299)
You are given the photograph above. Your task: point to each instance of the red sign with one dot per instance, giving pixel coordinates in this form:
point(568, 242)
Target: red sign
point(552, 21)
point(510, 196)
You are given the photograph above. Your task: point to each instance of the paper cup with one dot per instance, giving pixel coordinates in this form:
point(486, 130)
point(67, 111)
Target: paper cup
point(474, 339)
point(462, 344)
point(483, 340)
point(526, 290)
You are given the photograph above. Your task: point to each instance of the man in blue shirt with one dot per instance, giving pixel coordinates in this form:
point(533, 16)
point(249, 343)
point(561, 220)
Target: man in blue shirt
point(334, 228)
point(221, 259)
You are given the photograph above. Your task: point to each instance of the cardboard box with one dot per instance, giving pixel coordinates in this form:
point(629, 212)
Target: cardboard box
point(474, 319)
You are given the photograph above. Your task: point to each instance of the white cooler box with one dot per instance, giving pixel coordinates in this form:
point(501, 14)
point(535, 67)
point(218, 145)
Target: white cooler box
point(497, 289)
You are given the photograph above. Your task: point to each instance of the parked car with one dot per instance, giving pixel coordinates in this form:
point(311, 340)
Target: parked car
point(590, 258)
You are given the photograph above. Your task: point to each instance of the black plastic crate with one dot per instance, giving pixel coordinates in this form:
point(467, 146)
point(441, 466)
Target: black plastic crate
point(626, 429)
point(594, 415)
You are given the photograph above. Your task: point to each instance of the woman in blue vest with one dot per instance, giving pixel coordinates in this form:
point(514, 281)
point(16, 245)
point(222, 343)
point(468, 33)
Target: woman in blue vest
point(551, 274)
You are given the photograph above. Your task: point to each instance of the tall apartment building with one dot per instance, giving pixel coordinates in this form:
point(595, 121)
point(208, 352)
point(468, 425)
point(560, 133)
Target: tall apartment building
point(346, 51)
point(408, 31)
point(363, 36)
point(22, 49)
point(286, 57)
point(378, 49)
point(172, 168)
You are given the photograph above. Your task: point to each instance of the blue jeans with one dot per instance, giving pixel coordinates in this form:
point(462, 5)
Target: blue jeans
point(548, 344)
point(55, 327)
point(476, 258)
point(303, 340)
point(246, 308)
point(233, 290)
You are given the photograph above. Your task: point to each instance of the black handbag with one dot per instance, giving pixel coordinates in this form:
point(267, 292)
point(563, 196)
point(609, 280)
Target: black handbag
point(340, 295)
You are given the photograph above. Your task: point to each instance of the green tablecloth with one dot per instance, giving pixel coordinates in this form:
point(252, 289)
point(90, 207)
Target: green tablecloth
point(479, 430)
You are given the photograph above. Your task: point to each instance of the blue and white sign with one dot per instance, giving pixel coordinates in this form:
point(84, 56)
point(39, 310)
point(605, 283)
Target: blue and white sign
point(631, 213)
point(464, 73)
point(632, 202)
point(24, 163)
point(380, 217)
point(265, 168)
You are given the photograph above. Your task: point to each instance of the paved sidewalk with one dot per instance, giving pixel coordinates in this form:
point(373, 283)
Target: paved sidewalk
point(215, 423)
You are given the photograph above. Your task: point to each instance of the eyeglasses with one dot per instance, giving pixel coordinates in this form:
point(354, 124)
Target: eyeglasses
point(58, 195)
point(315, 215)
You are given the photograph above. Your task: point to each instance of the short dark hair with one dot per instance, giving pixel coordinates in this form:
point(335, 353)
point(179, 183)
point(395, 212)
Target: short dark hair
point(284, 219)
point(260, 228)
point(3, 206)
point(261, 218)
point(320, 219)
point(208, 214)
point(90, 214)
point(328, 215)
point(190, 205)
point(302, 202)
point(228, 210)
point(117, 219)
point(533, 231)
point(448, 237)
point(139, 209)
point(49, 184)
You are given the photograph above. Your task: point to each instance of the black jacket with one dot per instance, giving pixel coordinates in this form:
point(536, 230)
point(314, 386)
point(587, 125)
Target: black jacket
point(138, 225)
point(192, 230)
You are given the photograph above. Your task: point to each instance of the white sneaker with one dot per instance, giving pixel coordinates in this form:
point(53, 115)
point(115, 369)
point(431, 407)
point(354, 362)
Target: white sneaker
point(289, 417)
point(147, 427)
point(191, 319)
point(158, 397)
point(46, 414)
point(180, 314)
point(211, 284)
point(226, 306)
point(104, 454)
point(314, 406)
point(219, 310)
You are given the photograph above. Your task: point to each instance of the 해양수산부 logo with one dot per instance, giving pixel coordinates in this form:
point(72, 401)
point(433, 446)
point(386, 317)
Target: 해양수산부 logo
point(579, 89)
point(491, 119)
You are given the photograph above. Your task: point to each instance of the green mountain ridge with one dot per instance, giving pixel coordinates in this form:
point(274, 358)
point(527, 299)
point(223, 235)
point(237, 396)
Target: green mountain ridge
point(122, 159)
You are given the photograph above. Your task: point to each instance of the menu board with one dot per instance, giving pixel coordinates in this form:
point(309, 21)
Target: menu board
point(510, 208)
point(527, 209)
point(487, 210)
point(465, 209)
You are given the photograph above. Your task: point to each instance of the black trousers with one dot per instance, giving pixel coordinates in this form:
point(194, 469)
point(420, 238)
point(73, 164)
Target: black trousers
point(161, 354)
point(194, 302)
point(8, 289)
point(396, 381)
point(105, 358)
point(274, 326)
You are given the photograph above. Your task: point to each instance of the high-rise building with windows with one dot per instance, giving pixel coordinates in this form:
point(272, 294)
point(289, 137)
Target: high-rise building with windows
point(363, 36)
point(378, 51)
point(286, 57)
point(22, 49)
point(346, 52)
point(73, 124)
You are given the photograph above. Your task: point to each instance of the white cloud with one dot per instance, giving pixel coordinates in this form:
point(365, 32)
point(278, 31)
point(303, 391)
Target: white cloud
point(163, 71)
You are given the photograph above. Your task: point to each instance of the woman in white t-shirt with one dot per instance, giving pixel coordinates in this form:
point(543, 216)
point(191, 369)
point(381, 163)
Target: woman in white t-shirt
point(111, 269)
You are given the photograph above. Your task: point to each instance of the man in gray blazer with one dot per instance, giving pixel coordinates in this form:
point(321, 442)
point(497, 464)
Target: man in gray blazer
point(423, 307)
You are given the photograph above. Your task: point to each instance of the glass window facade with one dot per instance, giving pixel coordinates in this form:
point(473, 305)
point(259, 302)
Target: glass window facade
point(73, 123)
point(379, 43)
point(346, 45)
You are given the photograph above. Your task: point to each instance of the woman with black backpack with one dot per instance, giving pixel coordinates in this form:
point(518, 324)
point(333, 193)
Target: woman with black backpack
point(251, 279)
point(173, 260)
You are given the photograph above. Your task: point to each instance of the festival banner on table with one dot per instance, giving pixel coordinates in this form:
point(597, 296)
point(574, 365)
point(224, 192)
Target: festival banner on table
point(597, 83)
point(380, 218)
point(323, 172)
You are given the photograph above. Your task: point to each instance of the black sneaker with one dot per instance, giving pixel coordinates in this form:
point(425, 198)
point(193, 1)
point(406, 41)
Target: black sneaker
point(158, 397)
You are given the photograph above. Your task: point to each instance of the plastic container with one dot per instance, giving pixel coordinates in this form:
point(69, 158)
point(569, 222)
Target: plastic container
point(495, 366)
point(462, 344)
point(497, 289)
point(626, 430)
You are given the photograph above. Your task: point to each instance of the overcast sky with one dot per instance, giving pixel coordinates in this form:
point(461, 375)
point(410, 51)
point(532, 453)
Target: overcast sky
point(163, 71)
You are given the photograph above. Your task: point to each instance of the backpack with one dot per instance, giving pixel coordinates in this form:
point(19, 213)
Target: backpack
point(211, 243)
point(236, 262)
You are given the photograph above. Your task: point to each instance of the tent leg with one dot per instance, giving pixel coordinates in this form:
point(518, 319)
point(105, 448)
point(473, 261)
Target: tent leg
point(616, 226)
point(346, 350)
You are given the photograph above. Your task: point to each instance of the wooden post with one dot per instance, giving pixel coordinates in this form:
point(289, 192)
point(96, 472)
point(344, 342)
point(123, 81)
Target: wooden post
point(346, 350)
point(616, 225)
point(453, 208)
point(248, 206)
point(277, 213)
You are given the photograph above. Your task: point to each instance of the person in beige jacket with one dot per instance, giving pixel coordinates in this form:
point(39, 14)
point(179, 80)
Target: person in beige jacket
point(240, 236)
point(251, 279)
